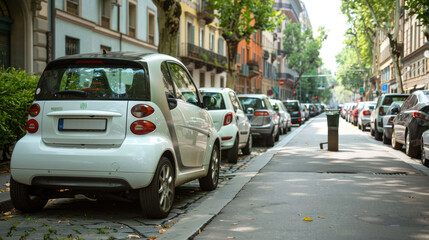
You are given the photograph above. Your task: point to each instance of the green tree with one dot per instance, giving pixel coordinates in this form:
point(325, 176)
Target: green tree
point(421, 9)
point(348, 62)
point(301, 49)
point(169, 12)
point(239, 19)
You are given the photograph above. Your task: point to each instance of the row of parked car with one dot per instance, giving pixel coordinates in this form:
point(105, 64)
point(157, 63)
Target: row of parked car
point(132, 126)
point(401, 120)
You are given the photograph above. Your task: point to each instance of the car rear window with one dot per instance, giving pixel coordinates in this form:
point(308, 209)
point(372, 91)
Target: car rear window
point(255, 103)
point(220, 103)
point(292, 106)
point(116, 82)
point(389, 99)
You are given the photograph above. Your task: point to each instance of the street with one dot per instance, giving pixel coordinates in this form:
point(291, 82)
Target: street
point(294, 190)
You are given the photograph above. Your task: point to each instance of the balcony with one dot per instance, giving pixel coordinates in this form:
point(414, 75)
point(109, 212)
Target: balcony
point(105, 21)
point(203, 13)
point(202, 57)
point(253, 68)
point(266, 55)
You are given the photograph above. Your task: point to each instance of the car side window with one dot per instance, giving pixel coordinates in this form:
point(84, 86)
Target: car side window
point(234, 101)
point(185, 88)
point(267, 104)
point(168, 86)
point(407, 103)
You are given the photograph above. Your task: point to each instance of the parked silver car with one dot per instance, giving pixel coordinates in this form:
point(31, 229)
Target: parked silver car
point(365, 114)
point(263, 118)
point(391, 113)
point(285, 121)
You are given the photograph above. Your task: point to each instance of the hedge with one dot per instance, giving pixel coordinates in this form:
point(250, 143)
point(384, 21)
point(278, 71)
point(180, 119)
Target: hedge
point(17, 90)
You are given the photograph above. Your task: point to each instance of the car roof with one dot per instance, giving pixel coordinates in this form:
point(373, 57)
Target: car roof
point(253, 95)
point(125, 55)
point(213, 89)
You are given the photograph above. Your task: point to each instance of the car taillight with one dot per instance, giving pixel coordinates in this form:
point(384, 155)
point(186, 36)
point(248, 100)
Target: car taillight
point(142, 127)
point(421, 116)
point(142, 110)
point(390, 121)
point(32, 126)
point(226, 138)
point(228, 119)
point(261, 113)
point(34, 110)
point(381, 111)
point(366, 112)
point(278, 114)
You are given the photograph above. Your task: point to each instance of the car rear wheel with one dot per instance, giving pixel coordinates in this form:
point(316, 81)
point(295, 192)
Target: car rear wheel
point(156, 200)
point(371, 131)
point(363, 127)
point(395, 144)
point(248, 148)
point(359, 126)
point(23, 199)
point(210, 181)
point(423, 156)
point(269, 140)
point(277, 137)
point(385, 139)
point(410, 150)
point(377, 134)
point(232, 154)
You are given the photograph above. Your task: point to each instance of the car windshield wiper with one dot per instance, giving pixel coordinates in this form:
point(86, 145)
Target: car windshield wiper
point(73, 92)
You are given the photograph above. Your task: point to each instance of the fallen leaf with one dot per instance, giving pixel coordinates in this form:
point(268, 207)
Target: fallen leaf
point(65, 220)
point(411, 197)
point(1, 190)
point(152, 238)
point(307, 219)
point(331, 227)
point(322, 217)
point(251, 204)
point(234, 224)
point(167, 226)
point(251, 219)
point(162, 231)
point(270, 189)
point(158, 226)
point(230, 237)
point(133, 236)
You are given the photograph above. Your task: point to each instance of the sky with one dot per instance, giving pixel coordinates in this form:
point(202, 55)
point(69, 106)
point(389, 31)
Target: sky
point(327, 13)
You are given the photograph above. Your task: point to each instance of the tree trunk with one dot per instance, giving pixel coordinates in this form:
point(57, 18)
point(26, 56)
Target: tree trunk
point(169, 12)
point(232, 63)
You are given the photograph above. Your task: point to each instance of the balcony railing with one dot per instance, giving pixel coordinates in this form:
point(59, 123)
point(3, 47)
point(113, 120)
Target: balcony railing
point(285, 76)
point(253, 66)
point(204, 56)
point(204, 13)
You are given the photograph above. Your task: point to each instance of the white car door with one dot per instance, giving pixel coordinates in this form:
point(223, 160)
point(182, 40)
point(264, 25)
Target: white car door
point(241, 118)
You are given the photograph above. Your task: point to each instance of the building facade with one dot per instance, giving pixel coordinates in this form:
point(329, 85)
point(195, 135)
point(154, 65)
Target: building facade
point(202, 48)
point(34, 32)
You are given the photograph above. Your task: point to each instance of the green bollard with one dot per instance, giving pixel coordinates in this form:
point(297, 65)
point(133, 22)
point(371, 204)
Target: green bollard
point(333, 117)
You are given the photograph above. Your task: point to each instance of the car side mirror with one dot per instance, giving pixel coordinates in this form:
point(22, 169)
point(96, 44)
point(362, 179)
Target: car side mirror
point(395, 110)
point(371, 107)
point(209, 101)
point(250, 111)
point(172, 103)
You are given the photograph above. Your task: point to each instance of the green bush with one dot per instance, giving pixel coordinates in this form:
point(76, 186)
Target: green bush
point(17, 90)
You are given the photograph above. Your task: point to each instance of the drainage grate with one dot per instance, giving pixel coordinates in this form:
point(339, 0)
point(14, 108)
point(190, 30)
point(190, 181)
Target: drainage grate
point(392, 173)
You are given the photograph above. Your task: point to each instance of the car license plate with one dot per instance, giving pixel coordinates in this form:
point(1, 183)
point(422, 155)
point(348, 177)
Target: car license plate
point(82, 124)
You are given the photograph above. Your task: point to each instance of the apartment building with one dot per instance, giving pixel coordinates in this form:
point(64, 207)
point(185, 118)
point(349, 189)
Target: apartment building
point(34, 32)
point(202, 48)
point(270, 84)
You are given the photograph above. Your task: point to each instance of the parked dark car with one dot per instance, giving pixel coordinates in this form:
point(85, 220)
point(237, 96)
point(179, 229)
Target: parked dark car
point(410, 123)
point(295, 110)
point(391, 113)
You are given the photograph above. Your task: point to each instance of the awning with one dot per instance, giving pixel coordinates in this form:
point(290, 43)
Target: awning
point(417, 87)
point(393, 86)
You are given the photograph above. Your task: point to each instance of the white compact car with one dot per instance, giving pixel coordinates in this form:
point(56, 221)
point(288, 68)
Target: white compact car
point(116, 124)
point(230, 121)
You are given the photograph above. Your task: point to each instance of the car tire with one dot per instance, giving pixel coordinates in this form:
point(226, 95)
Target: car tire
point(377, 135)
point(289, 128)
point(359, 126)
point(232, 154)
point(363, 128)
point(211, 180)
point(423, 157)
point(248, 148)
point(23, 200)
point(156, 200)
point(277, 137)
point(371, 131)
point(269, 140)
point(385, 139)
point(395, 144)
point(411, 151)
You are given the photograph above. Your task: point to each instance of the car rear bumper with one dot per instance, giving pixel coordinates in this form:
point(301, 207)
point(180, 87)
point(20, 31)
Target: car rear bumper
point(133, 163)
point(262, 131)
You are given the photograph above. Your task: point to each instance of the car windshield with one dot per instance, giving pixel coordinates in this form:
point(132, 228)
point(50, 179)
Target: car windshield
point(220, 103)
point(255, 103)
point(93, 83)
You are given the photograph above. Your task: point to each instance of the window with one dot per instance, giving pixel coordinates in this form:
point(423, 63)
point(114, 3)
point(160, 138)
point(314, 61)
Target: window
point(220, 47)
point(151, 28)
point(191, 33)
point(211, 41)
point(185, 88)
point(105, 48)
point(201, 37)
point(222, 82)
point(72, 6)
point(132, 16)
point(202, 79)
point(106, 6)
point(235, 102)
point(242, 55)
point(168, 87)
point(72, 46)
point(212, 80)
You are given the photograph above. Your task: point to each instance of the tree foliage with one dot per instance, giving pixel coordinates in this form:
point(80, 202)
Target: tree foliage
point(238, 20)
point(348, 62)
point(302, 49)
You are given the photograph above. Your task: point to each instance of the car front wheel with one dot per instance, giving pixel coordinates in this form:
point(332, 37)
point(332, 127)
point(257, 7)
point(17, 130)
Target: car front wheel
point(377, 134)
point(23, 199)
point(410, 150)
point(210, 181)
point(232, 154)
point(156, 199)
point(395, 144)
